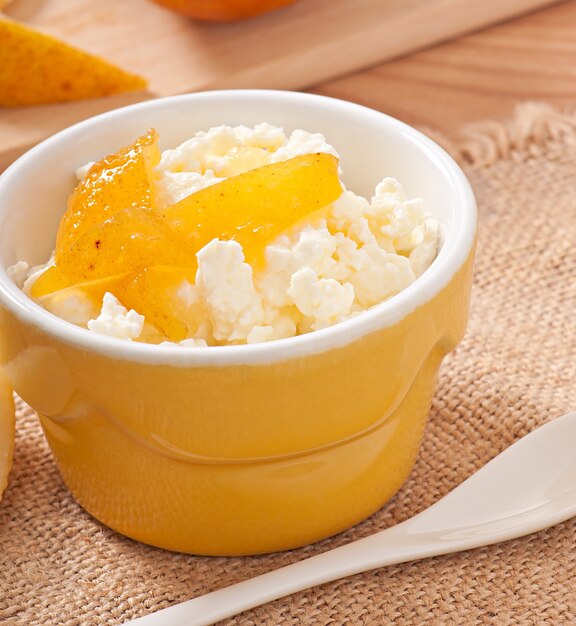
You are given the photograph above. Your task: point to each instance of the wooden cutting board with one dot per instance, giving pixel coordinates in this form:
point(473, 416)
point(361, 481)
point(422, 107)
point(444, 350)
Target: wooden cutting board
point(292, 48)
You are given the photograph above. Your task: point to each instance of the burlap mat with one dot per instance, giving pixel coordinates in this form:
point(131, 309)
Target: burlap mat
point(515, 369)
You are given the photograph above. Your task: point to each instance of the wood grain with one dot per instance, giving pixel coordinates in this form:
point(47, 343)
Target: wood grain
point(481, 76)
point(293, 48)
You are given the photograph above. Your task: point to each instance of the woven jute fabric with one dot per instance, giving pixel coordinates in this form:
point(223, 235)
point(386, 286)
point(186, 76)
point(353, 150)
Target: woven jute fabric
point(515, 369)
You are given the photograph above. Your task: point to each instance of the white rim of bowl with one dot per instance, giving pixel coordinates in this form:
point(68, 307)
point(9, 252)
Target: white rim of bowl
point(454, 252)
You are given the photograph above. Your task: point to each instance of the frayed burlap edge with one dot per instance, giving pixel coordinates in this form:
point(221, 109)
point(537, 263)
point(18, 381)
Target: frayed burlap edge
point(534, 128)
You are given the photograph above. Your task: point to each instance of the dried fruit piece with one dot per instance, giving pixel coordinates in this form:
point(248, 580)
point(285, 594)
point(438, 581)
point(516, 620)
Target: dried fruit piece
point(36, 68)
point(255, 207)
point(119, 181)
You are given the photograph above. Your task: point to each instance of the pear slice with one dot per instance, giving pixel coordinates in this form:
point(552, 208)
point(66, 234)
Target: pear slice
point(119, 181)
point(36, 68)
point(255, 207)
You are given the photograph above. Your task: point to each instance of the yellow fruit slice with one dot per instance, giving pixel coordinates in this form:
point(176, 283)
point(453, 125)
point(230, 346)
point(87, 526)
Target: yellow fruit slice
point(119, 181)
point(108, 208)
point(255, 207)
point(36, 68)
point(164, 295)
point(82, 302)
point(127, 242)
point(167, 299)
point(7, 428)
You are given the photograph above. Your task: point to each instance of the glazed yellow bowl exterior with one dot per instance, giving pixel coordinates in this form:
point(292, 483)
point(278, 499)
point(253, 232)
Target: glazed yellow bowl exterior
point(238, 452)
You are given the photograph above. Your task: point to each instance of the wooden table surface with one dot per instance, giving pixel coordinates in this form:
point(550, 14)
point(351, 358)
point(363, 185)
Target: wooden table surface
point(477, 77)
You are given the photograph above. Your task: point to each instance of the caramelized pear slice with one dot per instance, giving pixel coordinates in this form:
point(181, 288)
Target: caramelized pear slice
point(167, 298)
point(119, 181)
point(127, 242)
point(82, 302)
point(255, 207)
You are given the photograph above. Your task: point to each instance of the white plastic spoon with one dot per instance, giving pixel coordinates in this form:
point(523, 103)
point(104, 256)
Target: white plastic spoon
point(528, 487)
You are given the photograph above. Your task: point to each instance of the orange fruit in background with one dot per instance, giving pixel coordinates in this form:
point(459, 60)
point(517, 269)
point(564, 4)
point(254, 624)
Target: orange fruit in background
point(223, 10)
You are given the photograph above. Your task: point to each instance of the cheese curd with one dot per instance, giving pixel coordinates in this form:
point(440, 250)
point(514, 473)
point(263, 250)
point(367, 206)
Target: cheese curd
point(115, 320)
point(360, 253)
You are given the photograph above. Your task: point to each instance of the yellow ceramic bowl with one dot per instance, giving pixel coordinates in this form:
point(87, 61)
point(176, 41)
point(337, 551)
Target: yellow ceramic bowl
point(241, 449)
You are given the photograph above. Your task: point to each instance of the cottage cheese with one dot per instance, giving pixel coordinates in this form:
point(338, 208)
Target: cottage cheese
point(362, 252)
point(116, 321)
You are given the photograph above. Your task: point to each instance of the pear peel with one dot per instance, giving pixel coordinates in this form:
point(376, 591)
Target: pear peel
point(36, 68)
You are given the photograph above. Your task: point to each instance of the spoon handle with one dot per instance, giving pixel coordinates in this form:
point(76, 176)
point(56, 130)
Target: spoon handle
point(509, 497)
point(346, 560)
